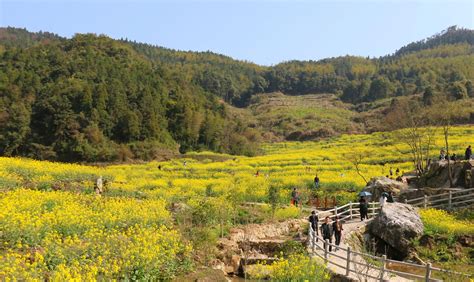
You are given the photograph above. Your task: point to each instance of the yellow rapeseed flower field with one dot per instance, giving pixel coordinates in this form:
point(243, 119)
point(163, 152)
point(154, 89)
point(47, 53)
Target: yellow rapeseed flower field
point(53, 226)
point(441, 222)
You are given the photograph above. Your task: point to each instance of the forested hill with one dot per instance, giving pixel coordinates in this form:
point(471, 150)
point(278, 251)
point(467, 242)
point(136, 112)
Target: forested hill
point(92, 98)
point(439, 61)
point(452, 35)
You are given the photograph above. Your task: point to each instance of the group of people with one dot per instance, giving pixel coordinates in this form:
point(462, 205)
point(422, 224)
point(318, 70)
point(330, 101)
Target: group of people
point(328, 229)
point(467, 155)
point(386, 198)
point(397, 172)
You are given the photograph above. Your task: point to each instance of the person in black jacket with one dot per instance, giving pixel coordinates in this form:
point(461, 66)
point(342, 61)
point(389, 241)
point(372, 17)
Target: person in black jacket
point(390, 197)
point(337, 230)
point(313, 219)
point(326, 231)
point(363, 209)
point(468, 153)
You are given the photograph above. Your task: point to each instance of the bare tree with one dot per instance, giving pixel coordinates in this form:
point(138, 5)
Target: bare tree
point(444, 115)
point(357, 159)
point(411, 126)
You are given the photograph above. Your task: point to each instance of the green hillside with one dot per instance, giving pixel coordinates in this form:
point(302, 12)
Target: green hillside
point(92, 98)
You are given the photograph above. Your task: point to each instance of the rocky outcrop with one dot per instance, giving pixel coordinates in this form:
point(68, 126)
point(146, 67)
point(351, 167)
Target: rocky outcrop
point(256, 242)
point(437, 174)
point(397, 224)
point(378, 185)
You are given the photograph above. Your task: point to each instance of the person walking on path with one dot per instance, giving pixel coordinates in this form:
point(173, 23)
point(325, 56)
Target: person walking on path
point(337, 229)
point(326, 231)
point(316, 182)
point(382, 200)
point(468, 153)
point(363, 209)
point(313, 219)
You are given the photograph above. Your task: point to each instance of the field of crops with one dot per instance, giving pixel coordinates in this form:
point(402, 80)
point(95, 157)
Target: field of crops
point(149, 221)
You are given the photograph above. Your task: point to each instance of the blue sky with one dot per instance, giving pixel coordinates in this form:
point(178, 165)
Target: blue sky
point(262, 31)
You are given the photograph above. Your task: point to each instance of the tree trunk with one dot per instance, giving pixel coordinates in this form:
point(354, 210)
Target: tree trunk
point(450, 175)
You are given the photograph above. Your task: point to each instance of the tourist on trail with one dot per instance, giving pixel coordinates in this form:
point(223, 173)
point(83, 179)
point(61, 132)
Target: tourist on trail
point(390, 197)
point(468, 153)
point(382, 199)
point(313, 219)
point(454, 157)
point(363, 210)
point(295, 197)
point(316, 182)
point(98, 186)
point(391, 172)
point(257, 173)
point(442, 155)
point(397, 172)
point(184, 163)
point(326, 231)
point(337, 229)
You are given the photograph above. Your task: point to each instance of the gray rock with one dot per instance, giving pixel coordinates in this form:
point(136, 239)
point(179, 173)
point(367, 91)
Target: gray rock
point(378, 185)
point(437, 174)
point(397, 224)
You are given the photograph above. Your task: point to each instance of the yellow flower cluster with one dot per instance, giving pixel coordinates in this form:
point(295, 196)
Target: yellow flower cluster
point(68, 236)
point(440, 221)
point(296, 267)
point(287, 213)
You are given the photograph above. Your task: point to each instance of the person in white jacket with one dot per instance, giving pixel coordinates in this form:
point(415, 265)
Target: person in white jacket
point(382, 200)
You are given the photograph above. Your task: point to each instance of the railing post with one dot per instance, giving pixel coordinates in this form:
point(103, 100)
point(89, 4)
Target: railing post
point(428, 272)
point(373, 205)
point(425, 203)
point(348, 261)
point(335, 211)
point(326, 245)
point(350, 210)
point(406, 201)
point(450, 202)
point(382, 267)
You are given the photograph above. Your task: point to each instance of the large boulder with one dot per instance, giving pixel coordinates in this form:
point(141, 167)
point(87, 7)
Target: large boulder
point(397, 225)
point(378, 185)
